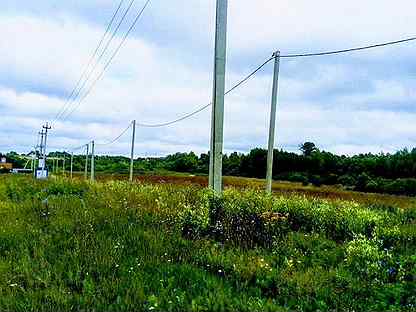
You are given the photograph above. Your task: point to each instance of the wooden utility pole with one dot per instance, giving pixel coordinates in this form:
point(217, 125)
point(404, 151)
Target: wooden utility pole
point(132, 151)
point(217, 123)
point(272, 128)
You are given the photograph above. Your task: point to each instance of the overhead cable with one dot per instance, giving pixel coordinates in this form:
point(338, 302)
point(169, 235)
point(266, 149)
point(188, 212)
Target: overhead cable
point(84, 73)
point(138, 16)
point(237, 85)
point(117, 138)
point(379, 45)
point(265, 63)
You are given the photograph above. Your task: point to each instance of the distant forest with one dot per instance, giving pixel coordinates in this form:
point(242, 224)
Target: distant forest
point(381, 173)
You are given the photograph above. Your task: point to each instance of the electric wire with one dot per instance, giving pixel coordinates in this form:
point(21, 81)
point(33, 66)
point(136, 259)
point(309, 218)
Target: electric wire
point(79, 147)
point(160, 125)
point(237, 85)
point(110, 24)
point(116, 51)
point(117, 138)
point(348, 50)
point(84, 84)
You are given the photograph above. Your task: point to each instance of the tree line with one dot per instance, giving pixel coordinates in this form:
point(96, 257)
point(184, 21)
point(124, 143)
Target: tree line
point(383, 173)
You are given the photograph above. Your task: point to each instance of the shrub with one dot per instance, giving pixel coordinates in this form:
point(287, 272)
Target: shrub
point(297, 177)
point(316, 180)
point(347, 180)
point(363, 257)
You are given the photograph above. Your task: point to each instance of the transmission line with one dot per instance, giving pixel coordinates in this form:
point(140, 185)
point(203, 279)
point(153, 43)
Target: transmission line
point(86, 94)
point(379, 45)
point(237, 85)
point(117, 138)
point(104, 51)
point(80, 147)
point(160, 125)
point(64, 108)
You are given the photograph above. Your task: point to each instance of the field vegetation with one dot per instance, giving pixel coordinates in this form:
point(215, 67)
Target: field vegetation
point(372, 173)
point(118, 246)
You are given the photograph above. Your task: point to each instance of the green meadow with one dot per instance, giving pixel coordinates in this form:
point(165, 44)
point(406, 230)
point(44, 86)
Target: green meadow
point(119, 246)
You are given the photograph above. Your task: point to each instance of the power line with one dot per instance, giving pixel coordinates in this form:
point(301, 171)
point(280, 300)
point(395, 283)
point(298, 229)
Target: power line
point(348, 50)
point(265, 63)
point(237, 85)
point(138, 16)
point(104, 50)
point(80, 147)
point(117, 138)
point(64, 108)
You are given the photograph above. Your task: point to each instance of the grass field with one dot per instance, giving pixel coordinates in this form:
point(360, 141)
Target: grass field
point(168, 244)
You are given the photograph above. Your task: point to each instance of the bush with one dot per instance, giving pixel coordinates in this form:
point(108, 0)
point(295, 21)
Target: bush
point(363, 257)
point(297, 177)
point(347, 180)
point(362, 182)
point(316, 180)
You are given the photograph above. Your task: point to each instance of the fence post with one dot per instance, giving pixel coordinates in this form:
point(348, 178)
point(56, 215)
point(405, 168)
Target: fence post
point(272, 128)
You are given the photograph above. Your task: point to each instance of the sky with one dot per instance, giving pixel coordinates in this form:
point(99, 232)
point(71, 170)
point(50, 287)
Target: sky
point(347, 104)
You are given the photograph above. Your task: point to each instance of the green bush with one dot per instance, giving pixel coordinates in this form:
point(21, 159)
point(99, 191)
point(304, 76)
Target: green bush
point(363, 257)
point(316, 180)
point(347, 180)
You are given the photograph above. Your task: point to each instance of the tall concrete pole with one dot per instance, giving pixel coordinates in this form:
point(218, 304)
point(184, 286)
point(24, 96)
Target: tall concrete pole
point(46, 127)
point(272, 128)
point(63, 165)
point(133, 139)
point(86, 161)
point(40, 148)
point(217, 124)
point(92, 161)
point(72, 163)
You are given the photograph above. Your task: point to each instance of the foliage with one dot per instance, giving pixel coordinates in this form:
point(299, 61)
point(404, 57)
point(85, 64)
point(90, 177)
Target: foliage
point(382, 173)
point(120, 246)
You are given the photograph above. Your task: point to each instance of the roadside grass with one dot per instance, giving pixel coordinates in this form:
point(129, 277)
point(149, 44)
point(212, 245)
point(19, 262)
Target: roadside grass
point(148, 246)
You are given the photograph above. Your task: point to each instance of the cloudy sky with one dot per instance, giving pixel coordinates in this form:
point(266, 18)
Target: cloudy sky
point(349, 104)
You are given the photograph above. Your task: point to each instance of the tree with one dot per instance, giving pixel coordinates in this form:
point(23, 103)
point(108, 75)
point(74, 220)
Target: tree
point(308, 148)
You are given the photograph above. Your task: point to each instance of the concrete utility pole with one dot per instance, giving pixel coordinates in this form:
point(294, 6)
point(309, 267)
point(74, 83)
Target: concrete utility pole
point(132, 151)
point(272, 128)
point(41, 134)
point(63, 165)
point(72, 163)
point(92, 161)
point(86, 161)
point(46, 127)
point(217, 123)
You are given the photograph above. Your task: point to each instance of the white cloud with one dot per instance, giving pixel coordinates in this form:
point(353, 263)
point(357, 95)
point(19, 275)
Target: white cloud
point(167, 71)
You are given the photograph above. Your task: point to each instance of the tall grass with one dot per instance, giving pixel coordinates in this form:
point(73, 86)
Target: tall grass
point(142, 247)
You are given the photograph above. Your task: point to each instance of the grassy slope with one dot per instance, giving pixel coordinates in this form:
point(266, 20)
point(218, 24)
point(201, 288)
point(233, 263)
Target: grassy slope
point(118, 246)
